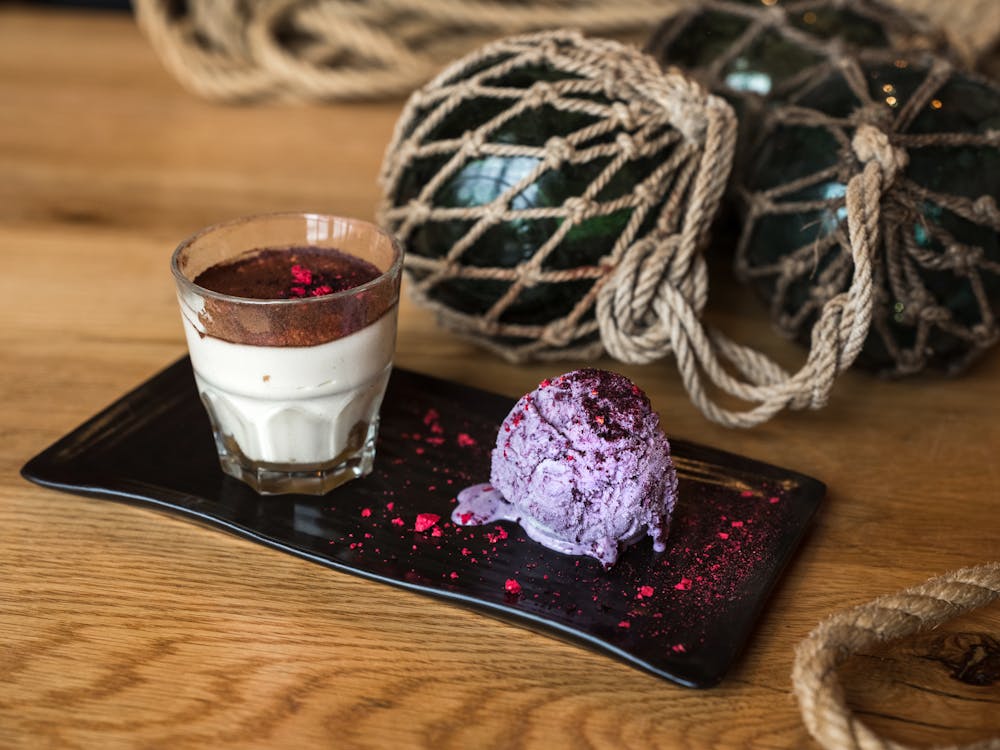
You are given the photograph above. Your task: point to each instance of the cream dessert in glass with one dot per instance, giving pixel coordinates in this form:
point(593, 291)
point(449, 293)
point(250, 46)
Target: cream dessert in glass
point(290, 321)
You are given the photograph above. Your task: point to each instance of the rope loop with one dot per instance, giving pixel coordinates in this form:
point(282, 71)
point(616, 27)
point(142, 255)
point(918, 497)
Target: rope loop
point(643, 312)
point(633, 328)
point(817, 687)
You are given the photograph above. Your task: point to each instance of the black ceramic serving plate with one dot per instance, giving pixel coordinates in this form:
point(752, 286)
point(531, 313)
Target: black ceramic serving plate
point(683, 614)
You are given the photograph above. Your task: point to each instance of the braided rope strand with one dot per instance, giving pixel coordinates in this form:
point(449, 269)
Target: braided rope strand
point(234, 50)
point(814, 675)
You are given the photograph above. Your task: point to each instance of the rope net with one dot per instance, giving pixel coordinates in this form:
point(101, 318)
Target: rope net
point(936, 268)
point(639, 293)
point(643, 158)
point(759, 52)
point(770, 50)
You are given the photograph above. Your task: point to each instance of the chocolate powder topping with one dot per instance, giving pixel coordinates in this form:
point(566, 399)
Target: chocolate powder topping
point(288, 297)
point(286, 273)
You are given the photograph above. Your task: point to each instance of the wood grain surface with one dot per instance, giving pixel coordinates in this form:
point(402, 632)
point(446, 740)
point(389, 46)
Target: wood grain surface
point(121, 627)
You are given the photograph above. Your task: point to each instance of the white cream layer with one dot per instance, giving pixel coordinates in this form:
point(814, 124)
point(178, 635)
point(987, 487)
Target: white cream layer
point(294, 404)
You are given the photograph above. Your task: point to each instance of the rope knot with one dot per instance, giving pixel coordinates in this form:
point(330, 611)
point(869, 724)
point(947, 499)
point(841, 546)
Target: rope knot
point(539, 93)
point(774, 16)
point(611, 83)
point(964, 258)
point(871, 144)
point(622, 114)
point(984, 207)
point(558, 333)
point(408, 152)
point(627, 145)
point(530, 274)
point(472, 143)
point(418, 212)
point(494, 212)
point(645, 194)
point(684, 103)
point(557, 151)
point(577, 208)
point(934, 314)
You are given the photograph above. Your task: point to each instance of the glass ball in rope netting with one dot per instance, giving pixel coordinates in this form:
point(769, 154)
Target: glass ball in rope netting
point(758, 51)
point(520, 177)
point(936, 265)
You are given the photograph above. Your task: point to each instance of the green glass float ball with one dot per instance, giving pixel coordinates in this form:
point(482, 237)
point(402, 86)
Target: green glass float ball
point(480, 181)
point(921, 226)
point(741, 48)
point(757, 52)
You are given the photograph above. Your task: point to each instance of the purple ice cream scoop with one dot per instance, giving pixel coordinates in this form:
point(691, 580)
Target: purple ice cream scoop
point(582, 465)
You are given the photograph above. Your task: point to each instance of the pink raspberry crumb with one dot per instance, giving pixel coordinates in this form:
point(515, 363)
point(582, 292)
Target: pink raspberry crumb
point(301, 274)
point(426, 520)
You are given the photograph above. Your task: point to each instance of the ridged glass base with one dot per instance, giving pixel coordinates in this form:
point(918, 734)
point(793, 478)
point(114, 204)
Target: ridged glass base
point(353, 462)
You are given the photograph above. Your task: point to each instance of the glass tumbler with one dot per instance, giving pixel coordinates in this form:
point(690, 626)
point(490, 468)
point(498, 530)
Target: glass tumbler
point(292, 385)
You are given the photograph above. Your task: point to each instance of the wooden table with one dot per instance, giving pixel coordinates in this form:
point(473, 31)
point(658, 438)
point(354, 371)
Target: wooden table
point(123, 627)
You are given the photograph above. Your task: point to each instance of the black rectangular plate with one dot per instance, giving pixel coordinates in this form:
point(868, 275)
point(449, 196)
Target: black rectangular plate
point(684, 614)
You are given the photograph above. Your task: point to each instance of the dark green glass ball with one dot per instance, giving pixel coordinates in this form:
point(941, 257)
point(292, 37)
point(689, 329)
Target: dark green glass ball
point(917, 213)
point(479, 181)
point(757, 52)
point(784, 41)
